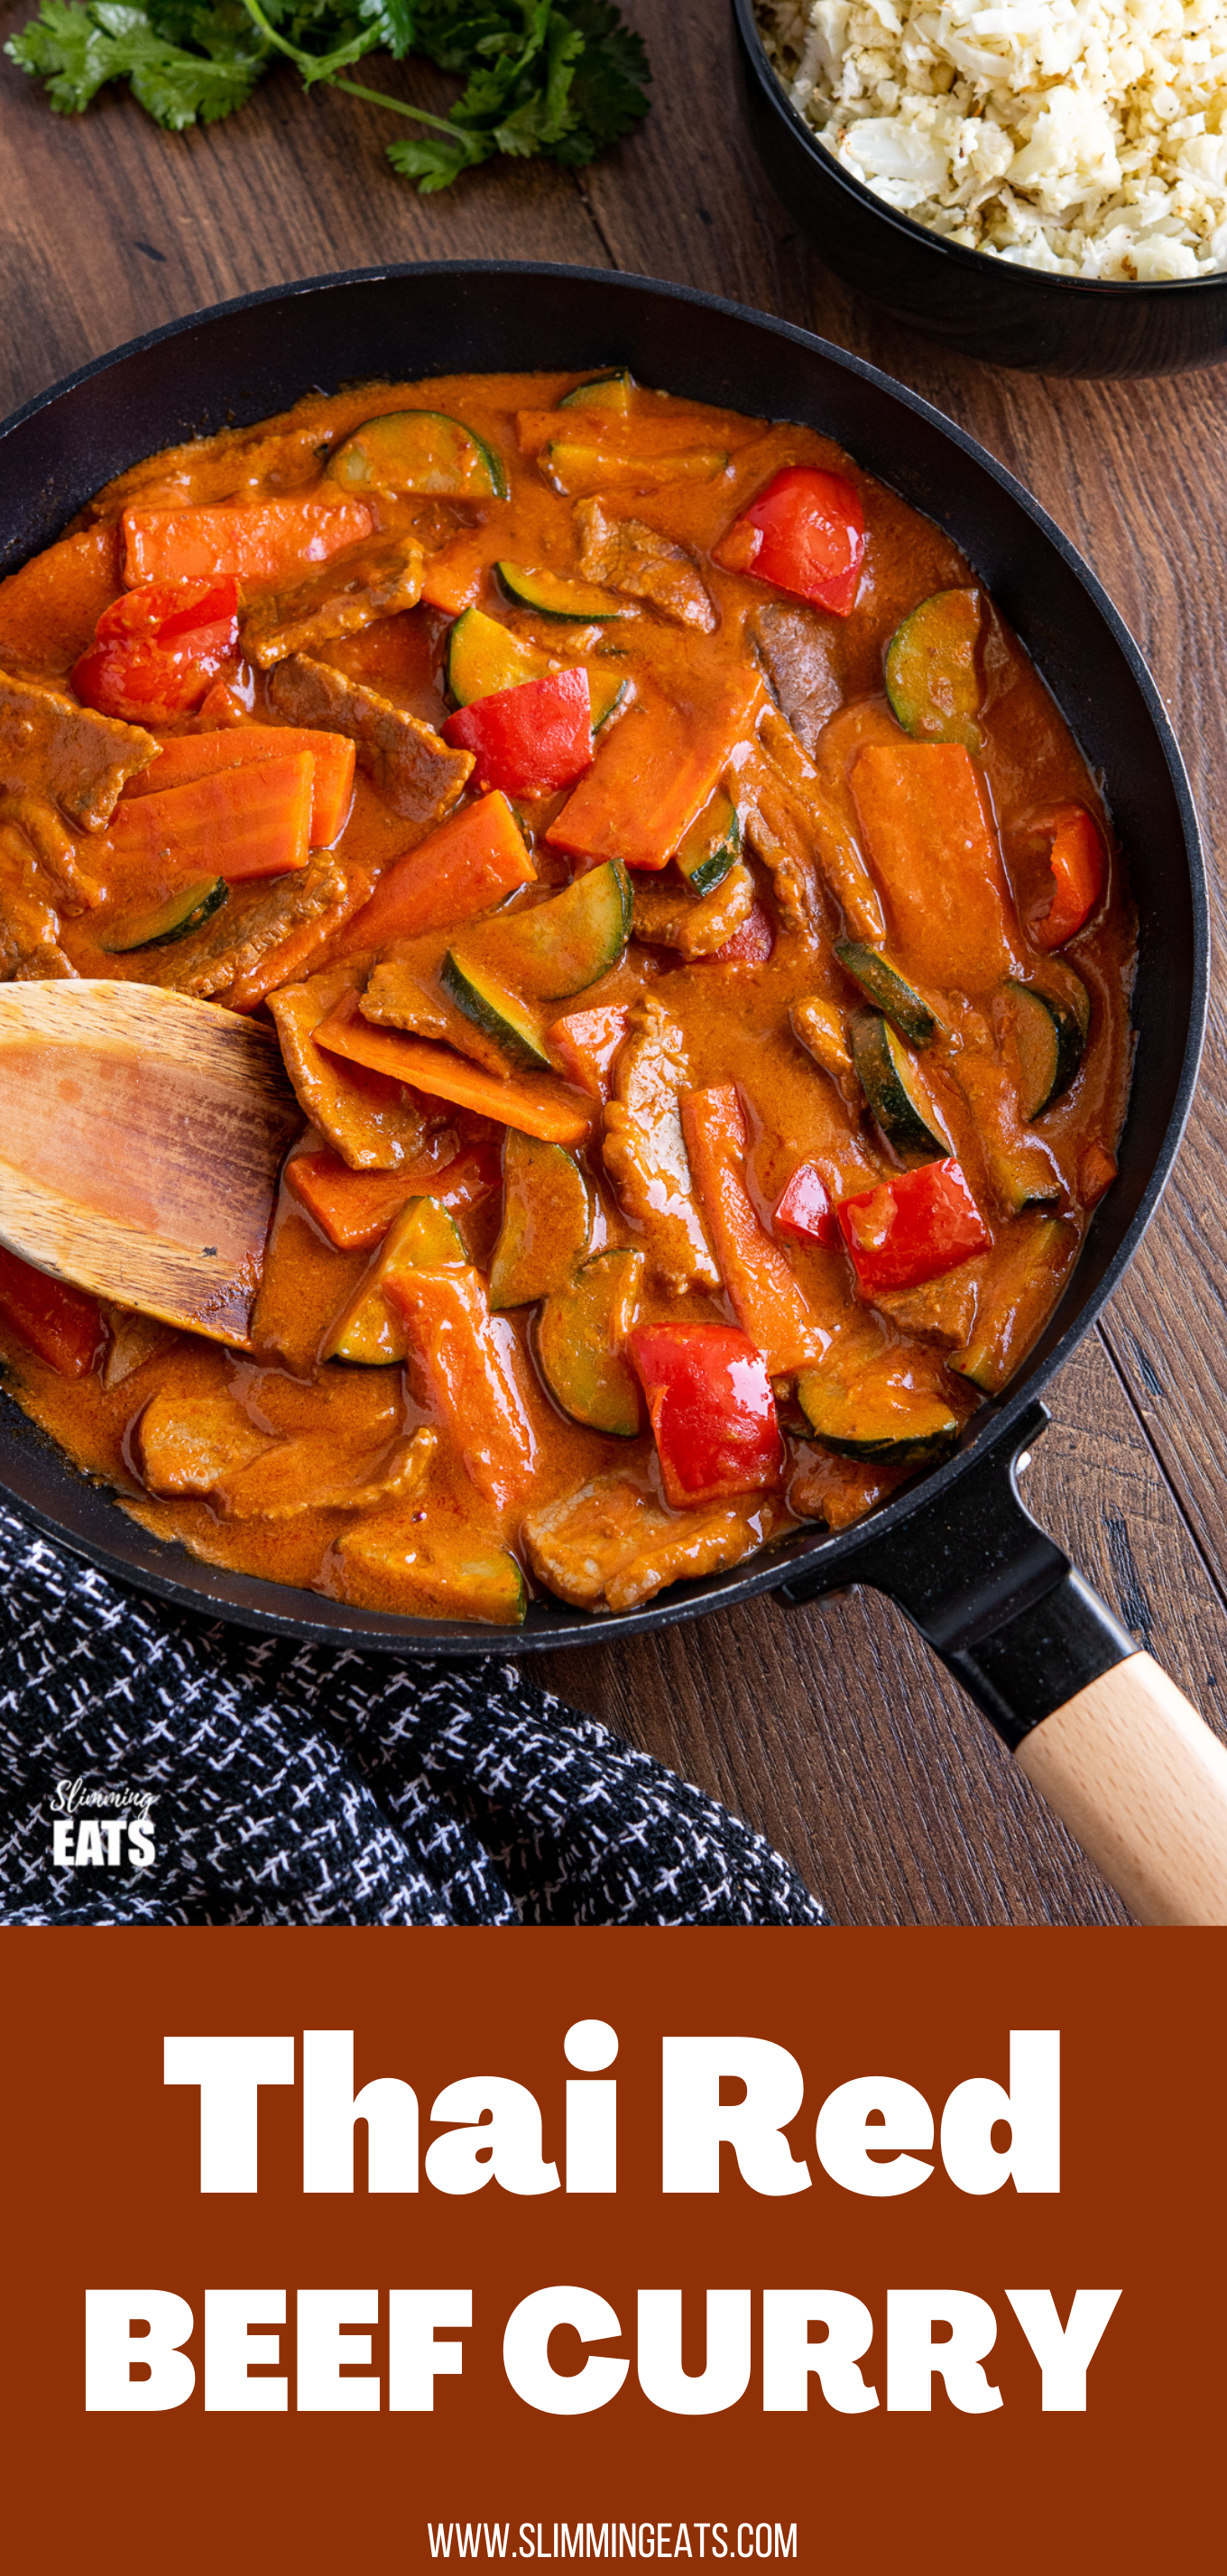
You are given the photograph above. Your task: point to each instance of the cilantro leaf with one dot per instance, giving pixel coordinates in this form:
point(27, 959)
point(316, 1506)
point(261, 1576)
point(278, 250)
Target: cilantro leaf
point(77, 48)
point(562, 78)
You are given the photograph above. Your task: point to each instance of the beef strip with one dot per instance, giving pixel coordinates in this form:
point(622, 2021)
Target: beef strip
point(253, 919)
point(405, 993)
point(798, 651)
point(792, 826)
point(49, 746)
point(645, 1151)
point(29, 923)
point(185, 1443)
point(134, 1339)
point(53, 847)
point(941, 1310)
point(611, 1546)
point(373, 1123)
point(823, 1030)
point(627, 556)
point(319, 1473)
point(408, 761)
point(350, 592)
point(667, 915)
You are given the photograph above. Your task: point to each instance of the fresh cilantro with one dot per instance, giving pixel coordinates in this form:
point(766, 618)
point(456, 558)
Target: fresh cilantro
point(563, 78)
point(76, 50)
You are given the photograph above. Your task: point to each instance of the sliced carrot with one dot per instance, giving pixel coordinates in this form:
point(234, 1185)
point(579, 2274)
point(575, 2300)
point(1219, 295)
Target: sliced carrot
point(49, 610)
point(472, 861)
point(199, 755)
point(261, 543)
point(535, 1108)
point(355, 1209)
point(452, 578)
point(586, 1042)
point(60, 1323)
point(933, 850)
point(651, 777)
point(765, 1293)
point(474, 1374)
point(239, 823)
point(1096, 1172)
point(1078, 869)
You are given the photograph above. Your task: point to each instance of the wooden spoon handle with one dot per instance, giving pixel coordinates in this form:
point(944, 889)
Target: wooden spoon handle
point(1141, 1782)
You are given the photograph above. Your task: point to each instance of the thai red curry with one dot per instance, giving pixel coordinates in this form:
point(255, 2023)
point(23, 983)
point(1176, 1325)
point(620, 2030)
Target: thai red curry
point(694, 939)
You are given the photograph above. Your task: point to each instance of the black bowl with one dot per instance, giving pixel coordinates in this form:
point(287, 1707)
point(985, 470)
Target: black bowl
point(252, 357)
point(1013, 317)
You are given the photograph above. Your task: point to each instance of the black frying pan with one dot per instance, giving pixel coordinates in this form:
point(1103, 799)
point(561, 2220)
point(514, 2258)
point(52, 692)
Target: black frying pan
point(998, 1601)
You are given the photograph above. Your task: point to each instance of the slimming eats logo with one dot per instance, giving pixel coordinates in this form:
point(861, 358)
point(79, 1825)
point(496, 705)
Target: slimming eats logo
point(105, 1828)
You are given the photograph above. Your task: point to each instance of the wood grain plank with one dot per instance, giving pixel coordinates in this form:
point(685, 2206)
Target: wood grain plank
point(832, 1729)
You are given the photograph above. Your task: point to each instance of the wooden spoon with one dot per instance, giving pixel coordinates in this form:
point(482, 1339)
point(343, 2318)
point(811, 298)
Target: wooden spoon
point(141, 1134)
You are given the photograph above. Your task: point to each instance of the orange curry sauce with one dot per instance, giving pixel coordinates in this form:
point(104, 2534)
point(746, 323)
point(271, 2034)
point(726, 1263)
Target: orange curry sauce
point(783, 700)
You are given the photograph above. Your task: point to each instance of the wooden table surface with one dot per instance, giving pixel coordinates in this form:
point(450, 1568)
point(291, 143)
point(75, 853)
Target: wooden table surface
point(832, 1730)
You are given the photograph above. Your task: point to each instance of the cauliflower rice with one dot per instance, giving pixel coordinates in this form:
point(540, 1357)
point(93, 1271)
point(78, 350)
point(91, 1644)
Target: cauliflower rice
point(1088, 137)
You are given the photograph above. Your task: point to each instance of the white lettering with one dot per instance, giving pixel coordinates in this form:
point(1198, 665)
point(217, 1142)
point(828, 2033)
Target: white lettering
point(111, 2350)
point(526, 2351)
point(230, 2351)
point(229, 2073)
point(696, 2122)
point(1063, 2353)
point(912, 2355)
point(726, 2373)
point(789, 2356)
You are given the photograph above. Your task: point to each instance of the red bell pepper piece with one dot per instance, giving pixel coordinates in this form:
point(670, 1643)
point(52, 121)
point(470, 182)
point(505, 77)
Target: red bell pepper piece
point(711, 1409)
point(60, 1323)
point(805, 533)
point(157, 650)
point(531, 740)
point(912, 1228)
point(1079, 866)
point(355, 1209)
point(805, 1211)
point(752, 944)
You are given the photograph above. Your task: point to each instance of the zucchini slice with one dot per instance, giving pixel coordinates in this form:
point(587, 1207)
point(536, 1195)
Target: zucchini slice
point(483, 658)
point(932, 679)
point(575, 466)
point(877, 1418)
point(891, 1081)
point(1039, 1255)
point(709, 848)
point(549, 596)
point(614, 392)
point(432, 1568)
point(181, 913)
point(499, 1015)
point(547, 1222)
point(369, 1332)
point(581, 1330)
point(883, 985)
point(1050, 1035)
point(560, 946)
point(405, 452)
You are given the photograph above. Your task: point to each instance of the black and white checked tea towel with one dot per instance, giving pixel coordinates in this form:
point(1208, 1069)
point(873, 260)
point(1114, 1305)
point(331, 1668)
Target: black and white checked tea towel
point(302, 1784)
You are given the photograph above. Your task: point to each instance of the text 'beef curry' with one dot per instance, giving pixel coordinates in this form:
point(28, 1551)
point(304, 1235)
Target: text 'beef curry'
point(694, 940)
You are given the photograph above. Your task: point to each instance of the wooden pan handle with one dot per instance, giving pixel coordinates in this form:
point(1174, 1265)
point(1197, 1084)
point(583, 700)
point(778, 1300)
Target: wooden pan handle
point(1141, 1782)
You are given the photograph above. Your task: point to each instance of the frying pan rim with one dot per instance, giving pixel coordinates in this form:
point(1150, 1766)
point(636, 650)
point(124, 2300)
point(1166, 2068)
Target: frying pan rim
point(1000, 1421)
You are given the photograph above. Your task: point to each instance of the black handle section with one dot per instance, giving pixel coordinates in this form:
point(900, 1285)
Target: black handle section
point(993, 1594)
